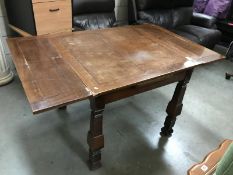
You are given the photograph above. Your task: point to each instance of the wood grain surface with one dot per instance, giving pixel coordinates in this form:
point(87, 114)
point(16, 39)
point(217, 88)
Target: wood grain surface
point(53, 16)
point(109, 59)
point(63, 68)
point(47, 80)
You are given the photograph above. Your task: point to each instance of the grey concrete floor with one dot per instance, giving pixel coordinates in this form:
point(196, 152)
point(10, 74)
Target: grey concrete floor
point(55, 142)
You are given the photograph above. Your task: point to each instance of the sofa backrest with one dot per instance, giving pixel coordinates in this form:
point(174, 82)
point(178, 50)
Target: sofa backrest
point(143, 5)
point(162, 4)
point(166, 13)
point(93, 14)
point(93, 6)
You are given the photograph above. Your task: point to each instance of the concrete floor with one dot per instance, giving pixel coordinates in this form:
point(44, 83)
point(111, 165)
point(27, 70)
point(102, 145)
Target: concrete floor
point(55, 142)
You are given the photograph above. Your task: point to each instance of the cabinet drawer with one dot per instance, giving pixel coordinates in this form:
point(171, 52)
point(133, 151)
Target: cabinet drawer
point(52, 17)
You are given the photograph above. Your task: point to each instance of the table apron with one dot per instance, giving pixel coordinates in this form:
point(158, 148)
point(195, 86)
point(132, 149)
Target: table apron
point(118, 94)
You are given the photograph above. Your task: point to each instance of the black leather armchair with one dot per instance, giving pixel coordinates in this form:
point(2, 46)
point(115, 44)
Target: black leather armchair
point(93, 14)
point(177, 16)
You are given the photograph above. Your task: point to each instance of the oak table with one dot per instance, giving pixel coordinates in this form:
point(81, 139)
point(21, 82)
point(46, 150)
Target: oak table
point(105, 66)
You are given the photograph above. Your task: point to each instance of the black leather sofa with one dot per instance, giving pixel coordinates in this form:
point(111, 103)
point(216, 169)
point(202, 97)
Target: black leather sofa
point(93, 14)
point(177, 16)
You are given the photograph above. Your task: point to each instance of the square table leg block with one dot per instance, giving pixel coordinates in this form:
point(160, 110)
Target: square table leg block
point(96, 142)
point(170, 109)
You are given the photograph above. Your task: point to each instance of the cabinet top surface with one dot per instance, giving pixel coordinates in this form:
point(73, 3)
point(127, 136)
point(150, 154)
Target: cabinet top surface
point(69, 67)
point(42, 1)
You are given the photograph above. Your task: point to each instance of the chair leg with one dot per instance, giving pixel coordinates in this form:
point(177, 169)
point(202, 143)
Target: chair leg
point(228, 76)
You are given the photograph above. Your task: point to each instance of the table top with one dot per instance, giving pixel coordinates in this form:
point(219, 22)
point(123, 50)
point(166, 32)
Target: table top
point(64, 68)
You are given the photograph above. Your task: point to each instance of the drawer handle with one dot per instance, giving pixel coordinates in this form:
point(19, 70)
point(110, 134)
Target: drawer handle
point(54, 10)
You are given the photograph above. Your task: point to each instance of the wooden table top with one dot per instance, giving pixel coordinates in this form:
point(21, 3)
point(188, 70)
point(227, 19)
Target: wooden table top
point(59, 69)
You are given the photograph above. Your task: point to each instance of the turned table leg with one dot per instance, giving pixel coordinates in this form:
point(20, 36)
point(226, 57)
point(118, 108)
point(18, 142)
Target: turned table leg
point(174, 107)
point(95, 138)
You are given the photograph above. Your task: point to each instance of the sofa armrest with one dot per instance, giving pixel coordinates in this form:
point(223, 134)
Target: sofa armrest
point(203, 20)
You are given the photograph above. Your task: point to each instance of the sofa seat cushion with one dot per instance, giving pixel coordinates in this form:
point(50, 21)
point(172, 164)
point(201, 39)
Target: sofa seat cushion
point(94, 21)
point(204, 36)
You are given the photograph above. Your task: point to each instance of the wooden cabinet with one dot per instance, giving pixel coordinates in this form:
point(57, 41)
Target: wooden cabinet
point(39, 17)
point(54, 16)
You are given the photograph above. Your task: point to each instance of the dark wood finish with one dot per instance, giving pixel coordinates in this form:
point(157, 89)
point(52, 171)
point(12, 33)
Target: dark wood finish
point(115, 58)
point(95, 138)
point(141, 87)
point(105, 61)
point(105, 66)
point(175, 106)
point(209, 164)
point(47, 79)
